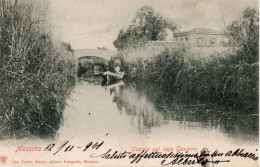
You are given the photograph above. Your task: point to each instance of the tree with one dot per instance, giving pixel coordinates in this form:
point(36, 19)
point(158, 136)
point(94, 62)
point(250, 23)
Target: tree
point(146, 25)
point(244, 34)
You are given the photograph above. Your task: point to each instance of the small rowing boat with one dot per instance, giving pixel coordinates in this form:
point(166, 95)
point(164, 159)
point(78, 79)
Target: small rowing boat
point(113, 76)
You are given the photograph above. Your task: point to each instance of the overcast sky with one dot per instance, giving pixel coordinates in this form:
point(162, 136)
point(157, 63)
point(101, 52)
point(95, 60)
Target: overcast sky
point(96, 23)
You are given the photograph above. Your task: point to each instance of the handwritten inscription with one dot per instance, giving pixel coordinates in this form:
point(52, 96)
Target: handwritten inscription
point(169, 155)
point(172, 158)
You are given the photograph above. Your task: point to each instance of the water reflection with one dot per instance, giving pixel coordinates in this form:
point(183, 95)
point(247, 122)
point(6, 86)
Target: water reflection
point(149, 107)
point(141, 111)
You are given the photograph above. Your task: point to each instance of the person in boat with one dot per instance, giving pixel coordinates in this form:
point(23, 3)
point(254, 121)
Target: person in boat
point(116, 69)
point(117, 65)
point(116, 73)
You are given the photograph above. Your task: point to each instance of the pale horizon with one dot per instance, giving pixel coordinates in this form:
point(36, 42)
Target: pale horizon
point(92, 24)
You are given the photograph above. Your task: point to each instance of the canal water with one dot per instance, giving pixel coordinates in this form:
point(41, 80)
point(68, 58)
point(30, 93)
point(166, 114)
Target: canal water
point(131, 117)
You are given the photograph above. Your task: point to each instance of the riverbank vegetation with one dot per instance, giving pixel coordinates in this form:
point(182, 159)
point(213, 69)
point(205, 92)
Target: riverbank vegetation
point(36, 71)
point(229, 79)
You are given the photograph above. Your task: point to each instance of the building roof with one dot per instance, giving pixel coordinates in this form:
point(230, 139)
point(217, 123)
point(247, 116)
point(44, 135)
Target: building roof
point(198, 31)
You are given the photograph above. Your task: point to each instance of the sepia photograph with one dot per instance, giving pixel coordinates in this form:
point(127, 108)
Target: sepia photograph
point(129, 83)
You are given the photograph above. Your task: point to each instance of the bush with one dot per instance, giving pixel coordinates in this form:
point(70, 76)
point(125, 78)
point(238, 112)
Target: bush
point(36, 72)
point(194, 78)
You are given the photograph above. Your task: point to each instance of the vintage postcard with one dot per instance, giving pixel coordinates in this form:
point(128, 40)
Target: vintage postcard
point(129, 83)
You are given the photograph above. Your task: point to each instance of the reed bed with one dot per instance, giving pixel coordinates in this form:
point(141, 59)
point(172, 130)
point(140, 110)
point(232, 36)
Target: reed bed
point(192, 77)
point(36, 72)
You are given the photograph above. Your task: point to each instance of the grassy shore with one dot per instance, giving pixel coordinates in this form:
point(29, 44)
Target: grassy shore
point(36, 72)
point(225, 78)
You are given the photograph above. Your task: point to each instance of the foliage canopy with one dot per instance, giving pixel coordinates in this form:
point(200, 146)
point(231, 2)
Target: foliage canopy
point(244, 34)
point(146, 25)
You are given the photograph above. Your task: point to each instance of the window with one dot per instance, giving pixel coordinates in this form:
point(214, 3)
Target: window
point(186, 38)
point(199, 40)
point(212, 41)
point(182, 39)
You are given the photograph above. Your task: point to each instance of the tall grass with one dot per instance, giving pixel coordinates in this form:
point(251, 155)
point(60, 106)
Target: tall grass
point(36, 71)
point(194, 77)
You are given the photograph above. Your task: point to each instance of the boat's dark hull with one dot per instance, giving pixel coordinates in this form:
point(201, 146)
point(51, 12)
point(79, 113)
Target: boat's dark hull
point(112, 77)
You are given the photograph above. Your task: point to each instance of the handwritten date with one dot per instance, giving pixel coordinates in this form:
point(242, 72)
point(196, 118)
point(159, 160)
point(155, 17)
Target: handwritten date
point(67, 147)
